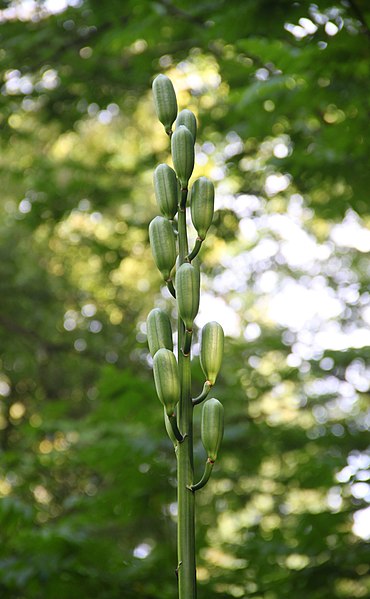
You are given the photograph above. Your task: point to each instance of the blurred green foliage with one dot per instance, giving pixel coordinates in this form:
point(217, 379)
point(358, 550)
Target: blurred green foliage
point(87, 479)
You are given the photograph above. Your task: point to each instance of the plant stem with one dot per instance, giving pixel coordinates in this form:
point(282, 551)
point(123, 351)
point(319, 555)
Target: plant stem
point(195, 250)
point(205, 478)
point(185, 470)
point(202, 396)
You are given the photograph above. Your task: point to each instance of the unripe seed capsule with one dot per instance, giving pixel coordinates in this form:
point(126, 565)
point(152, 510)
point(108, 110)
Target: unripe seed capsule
point(182, 147)
point(212, 428)
point(187, 118)
point(166, 189)
point(162, 241)
point(165, 101)
point(187, 293)
point(202, 205)
point(196, 264)
point(212, 349)
point(166, 379)
point(158, 330)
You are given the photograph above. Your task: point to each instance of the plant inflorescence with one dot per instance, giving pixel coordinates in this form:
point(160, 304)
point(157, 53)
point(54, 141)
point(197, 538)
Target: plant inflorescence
point(180, 270)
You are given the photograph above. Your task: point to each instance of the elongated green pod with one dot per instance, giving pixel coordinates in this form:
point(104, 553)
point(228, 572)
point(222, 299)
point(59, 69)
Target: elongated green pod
point(166, 189)
point(182, 147)
point(166, 379)
point(162, 242)
point(165, 101)
point(187, 118)
point(158, 330)
point(211, 351)
point(187, 293)
point(196, 264)
point(202, 205)
point(212, 427)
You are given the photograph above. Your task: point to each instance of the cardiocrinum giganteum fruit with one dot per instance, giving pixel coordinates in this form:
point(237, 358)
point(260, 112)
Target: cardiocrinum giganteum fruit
point(180, 270)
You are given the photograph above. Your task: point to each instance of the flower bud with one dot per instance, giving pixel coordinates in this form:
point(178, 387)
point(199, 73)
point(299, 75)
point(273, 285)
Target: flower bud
point(202, 205)
point(166, 189)
point(158, 330)
point(165, 101)
point(187, 293)
point(187, 118)
point(212, 427)
point(212, 349)
point(166, 379)
point(182, 147)
point(162, 241)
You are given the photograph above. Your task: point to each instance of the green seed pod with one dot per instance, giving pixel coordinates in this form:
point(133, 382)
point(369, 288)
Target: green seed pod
point(162, 241)
point(212, 349)
point(187, 293)
point(187, 118)
point(212, 428)
point(166, 189)
point(202, 205)
point(182, 147)
point(166, 379)
point(196, 264)
point(165, 101)
point(158, 330)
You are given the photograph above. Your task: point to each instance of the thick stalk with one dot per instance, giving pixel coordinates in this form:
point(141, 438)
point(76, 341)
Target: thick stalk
point(185, 497)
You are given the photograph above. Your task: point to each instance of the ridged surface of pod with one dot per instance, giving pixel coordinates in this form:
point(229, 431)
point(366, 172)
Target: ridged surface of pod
point(182, 147)
point(212, 428)
point(162, 242)
point(158, 330)
point(212, 349)
point(165, 101)
point(187, 293)
point(166, 189)
point(166, 379)
point(202, 205)
point(196, 264)
point(187, 118)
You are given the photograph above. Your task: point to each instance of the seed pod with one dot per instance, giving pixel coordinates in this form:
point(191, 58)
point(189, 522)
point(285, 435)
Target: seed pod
point(196, 264)
point(187, 293)
point(158, 330)
point(212, 428)
point(187, 118)
point(166, 379)
point(162, 241)
point(212, 349)
point(165, 101)
point(166, 189)
point(202, 205)
point(182, 147)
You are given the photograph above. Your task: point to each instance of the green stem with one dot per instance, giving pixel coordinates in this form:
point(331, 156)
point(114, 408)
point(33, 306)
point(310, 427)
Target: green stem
point(169, 428)
point(205, 478)
point(187, 341)
point(194, 252)
point(171, 288)
point(182, 207)
point(185, 469)
point(206, 389)
point(175, 429)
